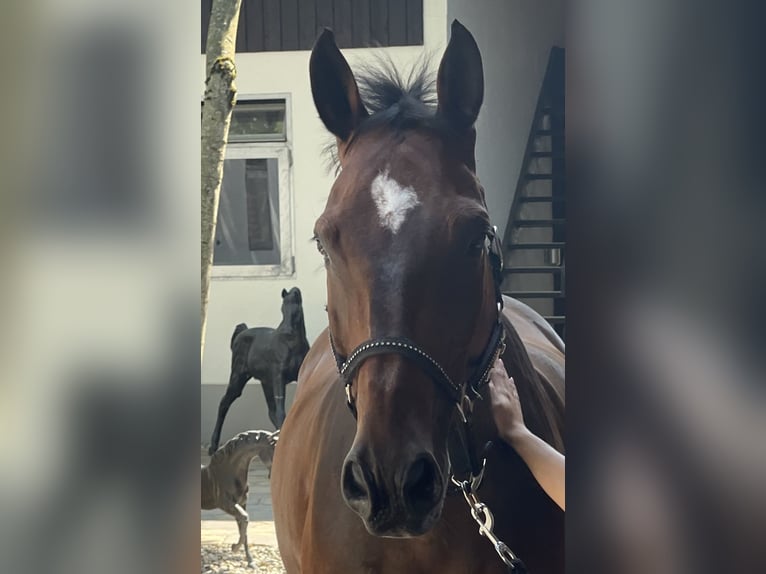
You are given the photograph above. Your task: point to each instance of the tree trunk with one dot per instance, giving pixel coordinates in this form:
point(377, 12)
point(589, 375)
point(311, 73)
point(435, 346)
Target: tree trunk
point(217, 105)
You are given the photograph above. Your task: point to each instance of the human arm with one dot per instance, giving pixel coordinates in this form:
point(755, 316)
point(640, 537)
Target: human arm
point(546, 463)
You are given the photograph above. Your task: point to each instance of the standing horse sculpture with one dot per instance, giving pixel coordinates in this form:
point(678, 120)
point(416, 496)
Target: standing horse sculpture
point(273, 356)
point(387, 409)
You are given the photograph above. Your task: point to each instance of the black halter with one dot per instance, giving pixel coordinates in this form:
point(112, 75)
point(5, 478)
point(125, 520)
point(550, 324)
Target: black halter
point(457, 393)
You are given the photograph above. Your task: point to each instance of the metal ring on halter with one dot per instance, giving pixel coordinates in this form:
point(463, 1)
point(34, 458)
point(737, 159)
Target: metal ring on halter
point(474, 481)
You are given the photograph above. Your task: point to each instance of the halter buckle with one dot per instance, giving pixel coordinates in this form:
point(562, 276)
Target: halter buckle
point(479, 478)
point(465, 407)
point(348, 395)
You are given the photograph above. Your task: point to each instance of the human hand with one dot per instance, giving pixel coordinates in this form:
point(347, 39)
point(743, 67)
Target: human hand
point(505, 404)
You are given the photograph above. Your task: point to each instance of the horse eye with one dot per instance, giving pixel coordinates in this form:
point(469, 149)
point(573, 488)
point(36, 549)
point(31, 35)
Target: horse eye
point(479, 245)
point(320, 247)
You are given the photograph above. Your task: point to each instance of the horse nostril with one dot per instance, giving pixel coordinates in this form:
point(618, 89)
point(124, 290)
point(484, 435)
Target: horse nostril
point(421, 485)
point(354, 483)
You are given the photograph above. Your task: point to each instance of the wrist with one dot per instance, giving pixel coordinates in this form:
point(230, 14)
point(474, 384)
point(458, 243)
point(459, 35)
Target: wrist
point(516, 435)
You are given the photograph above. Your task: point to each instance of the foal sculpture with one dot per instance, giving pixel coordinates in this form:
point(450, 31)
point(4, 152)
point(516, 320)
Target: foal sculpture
point(273, 356)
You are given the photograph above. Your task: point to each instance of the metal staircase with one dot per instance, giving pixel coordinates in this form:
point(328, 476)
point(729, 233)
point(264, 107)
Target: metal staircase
point(535, 237)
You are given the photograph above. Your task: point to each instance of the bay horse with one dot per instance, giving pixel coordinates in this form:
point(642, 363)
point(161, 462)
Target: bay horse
point(273, 356)
point(362, 469)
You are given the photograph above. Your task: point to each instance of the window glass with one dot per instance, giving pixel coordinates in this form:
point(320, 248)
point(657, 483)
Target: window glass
point(247, 232)
point(258, 121)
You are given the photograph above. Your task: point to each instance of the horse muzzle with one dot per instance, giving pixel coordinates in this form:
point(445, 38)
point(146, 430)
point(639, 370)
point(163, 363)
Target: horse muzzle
point(406, 504)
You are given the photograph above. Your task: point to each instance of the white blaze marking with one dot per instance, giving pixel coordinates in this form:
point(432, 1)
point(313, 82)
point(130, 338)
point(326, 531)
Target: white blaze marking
point(392, 200)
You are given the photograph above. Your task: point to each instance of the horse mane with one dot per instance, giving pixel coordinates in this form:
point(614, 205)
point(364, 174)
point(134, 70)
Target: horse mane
point(247, 441)
point(393, 99)
point(237, 330)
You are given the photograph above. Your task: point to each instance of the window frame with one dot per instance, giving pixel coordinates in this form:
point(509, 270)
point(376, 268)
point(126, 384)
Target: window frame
point(282, 152)
point(255, 138)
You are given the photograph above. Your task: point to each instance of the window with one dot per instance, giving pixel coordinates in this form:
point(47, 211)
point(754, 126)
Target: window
point(258, 122)
point(254, 228)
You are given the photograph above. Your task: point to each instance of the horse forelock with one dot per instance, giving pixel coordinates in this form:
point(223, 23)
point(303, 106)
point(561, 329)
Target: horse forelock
point(395, 101)
point(382, 85)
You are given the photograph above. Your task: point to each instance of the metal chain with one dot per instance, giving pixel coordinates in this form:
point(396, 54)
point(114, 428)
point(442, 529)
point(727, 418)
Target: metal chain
point(486, 521)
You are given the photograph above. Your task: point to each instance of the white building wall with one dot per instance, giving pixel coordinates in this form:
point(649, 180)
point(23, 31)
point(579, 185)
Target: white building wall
point(257, 301)
point(515, 38)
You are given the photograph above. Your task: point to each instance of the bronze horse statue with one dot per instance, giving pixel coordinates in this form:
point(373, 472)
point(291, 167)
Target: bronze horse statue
point(414, 305)
point(273, 356)
point(224, 480)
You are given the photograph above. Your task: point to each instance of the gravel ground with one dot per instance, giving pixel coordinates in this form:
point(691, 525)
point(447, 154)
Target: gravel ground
point(219, 559)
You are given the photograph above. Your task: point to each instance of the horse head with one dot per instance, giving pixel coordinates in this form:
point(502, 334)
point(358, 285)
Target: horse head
point(292, 307)
point(404, 237)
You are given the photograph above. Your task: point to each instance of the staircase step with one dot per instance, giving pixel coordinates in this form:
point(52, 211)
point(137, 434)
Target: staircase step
point(536, 294)
point(545, 154)
point(538, 222)
point(542, 177)
point(545, 132)
point(540, 199)
point(533, 269)
point(556, 319)
point(546, 245)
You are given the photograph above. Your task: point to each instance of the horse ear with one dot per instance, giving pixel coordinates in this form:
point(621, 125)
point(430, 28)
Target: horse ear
point(460, 86)
point(284, 293)
point(336, 95)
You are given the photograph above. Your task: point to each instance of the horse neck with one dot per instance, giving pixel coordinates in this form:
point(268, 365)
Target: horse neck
point(539, 410)
point(296, 327)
